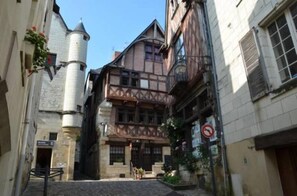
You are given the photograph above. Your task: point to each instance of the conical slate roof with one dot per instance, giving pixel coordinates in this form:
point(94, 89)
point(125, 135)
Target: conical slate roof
point(81, 28)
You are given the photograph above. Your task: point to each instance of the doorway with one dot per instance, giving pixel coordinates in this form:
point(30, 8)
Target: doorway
point(43, 158)
point(287, 165)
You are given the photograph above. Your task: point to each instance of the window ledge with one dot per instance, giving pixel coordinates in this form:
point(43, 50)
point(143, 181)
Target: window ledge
point(284, 88)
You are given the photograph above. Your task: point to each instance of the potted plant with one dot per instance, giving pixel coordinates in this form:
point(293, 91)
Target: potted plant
point(139, 172)
point(38, 40)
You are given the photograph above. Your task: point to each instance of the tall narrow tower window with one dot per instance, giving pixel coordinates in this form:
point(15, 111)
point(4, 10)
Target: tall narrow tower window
point(82, 67)
point(78, 108)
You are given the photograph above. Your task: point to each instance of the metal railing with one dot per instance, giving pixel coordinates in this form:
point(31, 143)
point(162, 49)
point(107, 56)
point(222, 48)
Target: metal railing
point(195, 64)
point(46, 173)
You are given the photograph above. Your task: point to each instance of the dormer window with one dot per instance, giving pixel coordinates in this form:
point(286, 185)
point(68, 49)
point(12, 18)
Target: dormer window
point(152, 53)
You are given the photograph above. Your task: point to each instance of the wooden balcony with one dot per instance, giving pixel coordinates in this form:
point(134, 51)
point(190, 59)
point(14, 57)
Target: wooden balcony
point(118, 92)
point(184, 70)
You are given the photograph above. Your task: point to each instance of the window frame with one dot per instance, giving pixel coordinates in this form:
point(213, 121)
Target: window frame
point(143, 116)
point(53, 136)
point(116, 152)
point(153, 52)
point(179, 51)
point(129, 78)
point(292, 31)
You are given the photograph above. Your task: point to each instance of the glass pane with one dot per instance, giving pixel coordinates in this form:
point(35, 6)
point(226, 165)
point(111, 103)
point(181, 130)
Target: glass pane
point(288, 44)
point(148, 56)
point(125, 81)
point(135, 82)
point(293, 70)
point(278, 50)
point(284, 74)
point(272, 29)
point(275, 39)
point(148, 48)
point(125, 73)
point(281, 62)
point(281, 21)
point(284, 32)
point(291, 56)
point(134, 74)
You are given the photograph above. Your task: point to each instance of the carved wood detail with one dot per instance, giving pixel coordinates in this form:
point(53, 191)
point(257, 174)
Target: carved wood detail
point(138, 132)
point(130, 94)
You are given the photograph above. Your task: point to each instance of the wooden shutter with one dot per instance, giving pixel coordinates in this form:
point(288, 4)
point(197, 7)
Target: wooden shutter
point(251, 58)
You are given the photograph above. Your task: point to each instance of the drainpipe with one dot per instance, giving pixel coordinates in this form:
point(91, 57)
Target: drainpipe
point(27, 123)
point(217, 96)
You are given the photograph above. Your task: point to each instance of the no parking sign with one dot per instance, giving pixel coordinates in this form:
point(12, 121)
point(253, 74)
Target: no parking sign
point(207, 130)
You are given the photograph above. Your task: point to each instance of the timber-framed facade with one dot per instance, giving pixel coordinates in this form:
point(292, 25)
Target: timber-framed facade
point(125, 105)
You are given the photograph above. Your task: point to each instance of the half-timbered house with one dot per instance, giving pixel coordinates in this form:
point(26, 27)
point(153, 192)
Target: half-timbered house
point(189, 80)
point(125, 104)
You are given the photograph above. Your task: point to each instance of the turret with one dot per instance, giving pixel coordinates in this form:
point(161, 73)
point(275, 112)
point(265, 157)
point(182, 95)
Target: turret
point(76, 66)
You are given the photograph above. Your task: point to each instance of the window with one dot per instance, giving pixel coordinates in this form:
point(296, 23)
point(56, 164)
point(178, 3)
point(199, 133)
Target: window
point(117, 154)
point(51, 59)
point(82, 67)
point(126, 115)
point(85, 38)
point(152, 53)
point(157, 154)
point(53, 136)
point(78, 108)
point(130, 78)
point(179, 48)
point(143, 83)
point(144, 116)
point(283, 40)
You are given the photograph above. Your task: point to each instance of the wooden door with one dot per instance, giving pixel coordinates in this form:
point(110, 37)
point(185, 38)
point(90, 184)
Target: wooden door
point(147, 159)
point(287, 165)
point(135, 156)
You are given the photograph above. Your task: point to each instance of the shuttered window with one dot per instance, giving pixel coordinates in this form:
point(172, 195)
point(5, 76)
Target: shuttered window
point(251, 58)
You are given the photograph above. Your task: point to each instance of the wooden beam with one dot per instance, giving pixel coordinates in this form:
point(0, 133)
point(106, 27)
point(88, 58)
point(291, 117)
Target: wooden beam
point(276, 139)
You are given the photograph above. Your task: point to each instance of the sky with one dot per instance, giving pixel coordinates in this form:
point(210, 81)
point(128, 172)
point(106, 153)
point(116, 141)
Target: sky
point(112, 24)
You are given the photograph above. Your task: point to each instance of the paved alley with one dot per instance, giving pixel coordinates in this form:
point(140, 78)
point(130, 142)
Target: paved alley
point(114, 187)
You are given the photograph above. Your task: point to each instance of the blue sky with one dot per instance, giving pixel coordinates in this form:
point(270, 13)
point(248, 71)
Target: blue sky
point(112, 25)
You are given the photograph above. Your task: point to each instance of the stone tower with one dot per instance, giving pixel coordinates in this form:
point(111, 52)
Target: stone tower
point(73, 96)
point(74, 87)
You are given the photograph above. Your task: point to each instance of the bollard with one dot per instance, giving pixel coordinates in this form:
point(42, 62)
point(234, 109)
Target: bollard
point(45, 181)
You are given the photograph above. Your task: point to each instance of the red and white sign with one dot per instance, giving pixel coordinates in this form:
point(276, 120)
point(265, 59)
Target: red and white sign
point(207, 130)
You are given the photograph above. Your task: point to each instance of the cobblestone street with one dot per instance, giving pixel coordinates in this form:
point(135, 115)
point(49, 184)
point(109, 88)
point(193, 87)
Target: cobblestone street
point(114, 187)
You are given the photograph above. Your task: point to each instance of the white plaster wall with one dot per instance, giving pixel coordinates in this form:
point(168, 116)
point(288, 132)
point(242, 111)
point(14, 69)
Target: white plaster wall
point(18, 17)
point(78, 47)
point(52, 93)
point(72, 120)
point(73, 87)
point(242, 118)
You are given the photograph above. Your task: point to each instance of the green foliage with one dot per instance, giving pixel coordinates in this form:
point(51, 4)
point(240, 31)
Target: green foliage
point(41, 51)
point(173, 128)
point(190, 162)
point(172, 179)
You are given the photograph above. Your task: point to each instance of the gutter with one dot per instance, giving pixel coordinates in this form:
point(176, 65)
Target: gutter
point(217, 96)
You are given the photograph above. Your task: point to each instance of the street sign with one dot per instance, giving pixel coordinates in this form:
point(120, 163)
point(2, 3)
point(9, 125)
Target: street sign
point(207, 130)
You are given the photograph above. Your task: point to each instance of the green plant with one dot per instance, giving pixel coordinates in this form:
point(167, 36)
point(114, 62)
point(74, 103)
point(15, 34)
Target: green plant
point(41, 51)
point(190, 162)
point(172, 179)
point(173, 128)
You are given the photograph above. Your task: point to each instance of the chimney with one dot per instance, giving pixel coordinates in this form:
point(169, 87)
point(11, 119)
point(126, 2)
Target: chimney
point(115, 55)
